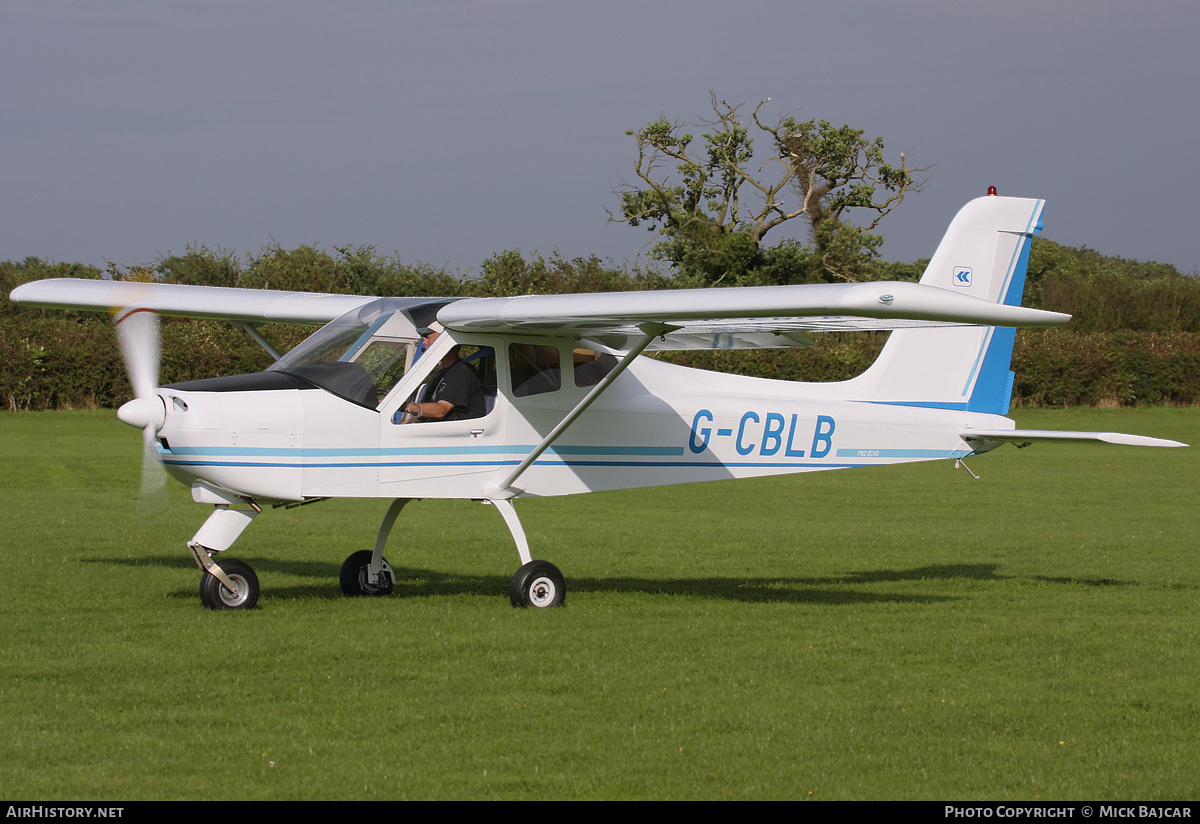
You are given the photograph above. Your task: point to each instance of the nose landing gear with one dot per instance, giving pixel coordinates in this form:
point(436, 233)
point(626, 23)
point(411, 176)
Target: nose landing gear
point(236, 587)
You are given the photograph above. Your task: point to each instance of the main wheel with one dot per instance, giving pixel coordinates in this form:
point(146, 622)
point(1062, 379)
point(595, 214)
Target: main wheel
point(354, 576)
point(214, 595)
point(537, 584)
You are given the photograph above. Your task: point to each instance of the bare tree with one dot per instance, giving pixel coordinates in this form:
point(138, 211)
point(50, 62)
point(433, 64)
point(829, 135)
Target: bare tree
point(713, 207)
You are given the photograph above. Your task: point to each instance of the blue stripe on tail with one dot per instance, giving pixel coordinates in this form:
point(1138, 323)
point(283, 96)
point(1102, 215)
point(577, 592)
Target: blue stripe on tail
point(993, 388)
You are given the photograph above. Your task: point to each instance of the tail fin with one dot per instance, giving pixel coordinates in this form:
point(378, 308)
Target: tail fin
point(984, 254)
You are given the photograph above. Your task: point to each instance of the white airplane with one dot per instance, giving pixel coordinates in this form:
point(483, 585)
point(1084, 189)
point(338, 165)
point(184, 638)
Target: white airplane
point(559, 401)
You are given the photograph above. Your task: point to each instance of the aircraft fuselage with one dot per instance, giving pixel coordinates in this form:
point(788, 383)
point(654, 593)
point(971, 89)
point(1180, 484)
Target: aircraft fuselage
point(293, 444)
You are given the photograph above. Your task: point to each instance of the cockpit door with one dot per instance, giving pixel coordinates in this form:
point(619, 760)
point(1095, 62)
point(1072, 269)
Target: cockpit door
point(442, 459)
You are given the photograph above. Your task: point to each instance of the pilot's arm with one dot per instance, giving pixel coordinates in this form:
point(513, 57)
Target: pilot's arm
point(453, 393)
point(429, 411)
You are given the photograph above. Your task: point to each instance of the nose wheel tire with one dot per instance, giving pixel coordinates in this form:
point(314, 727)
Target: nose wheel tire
point(355, 576)
point(538, 584)
point(244, 595)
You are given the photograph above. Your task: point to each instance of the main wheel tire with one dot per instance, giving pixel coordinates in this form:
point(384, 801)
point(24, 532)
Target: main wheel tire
point(214, 595)
point(538, 584)
point(353, 576)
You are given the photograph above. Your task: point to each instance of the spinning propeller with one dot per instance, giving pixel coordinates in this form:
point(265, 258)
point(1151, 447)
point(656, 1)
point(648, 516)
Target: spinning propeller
point(137, 329)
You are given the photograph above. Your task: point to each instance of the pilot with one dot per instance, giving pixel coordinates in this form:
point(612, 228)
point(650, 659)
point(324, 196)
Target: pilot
point(457, 391)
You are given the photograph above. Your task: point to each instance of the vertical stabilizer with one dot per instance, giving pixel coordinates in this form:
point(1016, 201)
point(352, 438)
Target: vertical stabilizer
point(984, 254)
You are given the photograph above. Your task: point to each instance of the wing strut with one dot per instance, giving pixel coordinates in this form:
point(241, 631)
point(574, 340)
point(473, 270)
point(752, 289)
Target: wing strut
point(252, 330)
point(650, 331)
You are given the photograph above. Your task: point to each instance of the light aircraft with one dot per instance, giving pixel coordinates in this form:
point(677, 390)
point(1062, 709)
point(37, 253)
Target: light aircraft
point(567, 405)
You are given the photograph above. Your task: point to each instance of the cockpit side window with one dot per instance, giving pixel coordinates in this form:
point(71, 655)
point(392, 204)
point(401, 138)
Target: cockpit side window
point(468, 384)
point(535, 370)
point(591, 366)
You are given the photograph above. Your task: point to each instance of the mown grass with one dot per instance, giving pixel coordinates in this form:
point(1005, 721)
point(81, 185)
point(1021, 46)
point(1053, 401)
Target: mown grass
point(905, 632)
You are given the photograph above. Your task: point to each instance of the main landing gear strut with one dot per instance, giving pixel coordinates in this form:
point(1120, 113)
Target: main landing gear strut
point(232, 584)
point(536, 584)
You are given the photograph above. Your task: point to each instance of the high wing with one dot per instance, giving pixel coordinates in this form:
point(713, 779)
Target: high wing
point(178, 300)
point(975, 278)
point(754, 317)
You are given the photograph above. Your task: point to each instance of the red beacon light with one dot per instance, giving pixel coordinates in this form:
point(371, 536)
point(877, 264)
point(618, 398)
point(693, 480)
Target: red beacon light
point(991, 191)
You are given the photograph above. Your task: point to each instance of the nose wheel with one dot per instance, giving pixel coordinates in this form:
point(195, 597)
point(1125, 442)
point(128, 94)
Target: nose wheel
point(239, 590)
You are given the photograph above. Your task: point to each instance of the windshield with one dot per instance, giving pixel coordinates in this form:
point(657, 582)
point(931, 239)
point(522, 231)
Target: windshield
point(360, 356)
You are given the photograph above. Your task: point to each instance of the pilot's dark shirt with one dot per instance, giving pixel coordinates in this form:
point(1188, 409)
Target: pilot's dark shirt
point(459, 385)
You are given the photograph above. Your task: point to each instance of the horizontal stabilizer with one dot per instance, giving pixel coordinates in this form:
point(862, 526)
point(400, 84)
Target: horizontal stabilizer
point(1027, 436)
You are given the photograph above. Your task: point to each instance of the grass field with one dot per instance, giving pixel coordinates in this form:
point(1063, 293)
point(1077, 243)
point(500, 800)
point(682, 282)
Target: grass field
point(906, 632)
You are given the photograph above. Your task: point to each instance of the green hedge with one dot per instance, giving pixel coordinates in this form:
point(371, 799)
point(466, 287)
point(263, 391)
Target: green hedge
point(1059, 367)
point(1135, 339)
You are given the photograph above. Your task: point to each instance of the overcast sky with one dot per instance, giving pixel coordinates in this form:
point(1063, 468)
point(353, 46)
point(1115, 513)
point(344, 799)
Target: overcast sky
point(447, 131)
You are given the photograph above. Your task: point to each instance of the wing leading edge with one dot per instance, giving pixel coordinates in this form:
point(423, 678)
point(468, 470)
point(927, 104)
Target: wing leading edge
point(754, 317)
